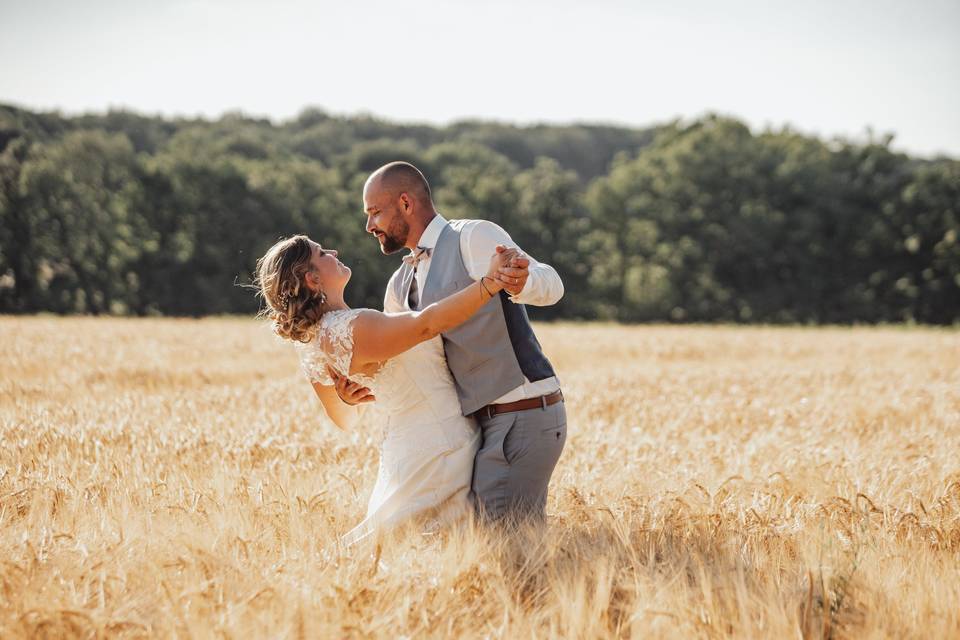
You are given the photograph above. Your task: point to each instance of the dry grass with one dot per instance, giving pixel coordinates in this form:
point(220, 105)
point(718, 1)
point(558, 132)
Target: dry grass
point(177, 478)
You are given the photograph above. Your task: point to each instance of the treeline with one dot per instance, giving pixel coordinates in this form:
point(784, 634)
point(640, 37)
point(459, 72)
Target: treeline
point(705, 221)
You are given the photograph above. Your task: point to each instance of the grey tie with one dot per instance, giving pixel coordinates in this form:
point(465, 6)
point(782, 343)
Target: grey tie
point(414, 258)
point(414, 297)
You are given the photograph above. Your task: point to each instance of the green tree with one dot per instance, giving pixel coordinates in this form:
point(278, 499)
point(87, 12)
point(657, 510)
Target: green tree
point(549, 222)
point(83, 233)
point(17, 265)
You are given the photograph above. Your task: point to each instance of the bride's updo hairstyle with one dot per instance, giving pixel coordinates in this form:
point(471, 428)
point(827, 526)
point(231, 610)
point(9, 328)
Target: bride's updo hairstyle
point(293, 308)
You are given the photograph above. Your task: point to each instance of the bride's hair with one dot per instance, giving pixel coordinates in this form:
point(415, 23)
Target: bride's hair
point(293, 308)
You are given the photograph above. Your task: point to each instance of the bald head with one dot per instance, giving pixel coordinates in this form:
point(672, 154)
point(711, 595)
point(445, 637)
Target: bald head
point(398, 204)
point(395, 178)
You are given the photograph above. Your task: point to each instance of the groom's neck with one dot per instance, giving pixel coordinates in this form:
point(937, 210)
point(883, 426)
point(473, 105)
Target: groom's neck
point(416, 232)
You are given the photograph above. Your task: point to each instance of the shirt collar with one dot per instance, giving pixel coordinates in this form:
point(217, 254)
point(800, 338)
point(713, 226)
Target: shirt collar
point(430, 235)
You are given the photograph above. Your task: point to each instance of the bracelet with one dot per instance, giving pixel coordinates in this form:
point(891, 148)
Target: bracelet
point(483, 284)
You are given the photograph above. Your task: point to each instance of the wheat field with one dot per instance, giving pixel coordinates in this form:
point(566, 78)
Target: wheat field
point(177, 478)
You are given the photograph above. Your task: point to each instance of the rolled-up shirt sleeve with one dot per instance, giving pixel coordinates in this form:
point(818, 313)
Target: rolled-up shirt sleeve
point(478, 243)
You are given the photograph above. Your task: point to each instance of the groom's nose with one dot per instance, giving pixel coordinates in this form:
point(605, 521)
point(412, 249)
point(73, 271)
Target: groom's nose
point(370, 226)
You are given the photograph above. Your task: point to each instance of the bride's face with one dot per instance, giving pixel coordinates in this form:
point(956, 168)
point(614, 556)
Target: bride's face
point(327, 273)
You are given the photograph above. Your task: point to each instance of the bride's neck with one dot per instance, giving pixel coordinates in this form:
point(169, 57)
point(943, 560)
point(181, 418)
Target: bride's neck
point(335, 304)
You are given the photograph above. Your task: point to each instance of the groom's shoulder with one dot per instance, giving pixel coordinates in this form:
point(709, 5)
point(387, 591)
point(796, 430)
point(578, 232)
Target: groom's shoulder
point(457, 225)
point(469, 224)
point(475, 228)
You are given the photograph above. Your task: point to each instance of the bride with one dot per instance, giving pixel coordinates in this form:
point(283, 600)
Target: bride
point(428, 449)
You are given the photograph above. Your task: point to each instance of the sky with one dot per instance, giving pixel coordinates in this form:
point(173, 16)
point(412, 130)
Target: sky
point(840, 68)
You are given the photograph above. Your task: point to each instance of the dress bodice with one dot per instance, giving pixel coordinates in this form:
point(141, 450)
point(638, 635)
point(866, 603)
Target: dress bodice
point(413, 387)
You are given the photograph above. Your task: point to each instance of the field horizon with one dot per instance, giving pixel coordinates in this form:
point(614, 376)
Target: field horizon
point(176, 477)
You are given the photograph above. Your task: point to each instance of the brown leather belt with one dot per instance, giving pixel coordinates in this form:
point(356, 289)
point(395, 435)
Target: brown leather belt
point(540, 402)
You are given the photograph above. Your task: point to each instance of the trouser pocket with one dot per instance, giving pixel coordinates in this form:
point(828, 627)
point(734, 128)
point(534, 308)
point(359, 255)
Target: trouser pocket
point(491, 468)
point(518, 458)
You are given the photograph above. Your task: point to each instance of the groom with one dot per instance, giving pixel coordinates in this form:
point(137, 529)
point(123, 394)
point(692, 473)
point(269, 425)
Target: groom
point(502, 377)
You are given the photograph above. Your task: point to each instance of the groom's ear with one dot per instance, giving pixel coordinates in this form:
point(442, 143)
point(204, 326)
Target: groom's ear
point(406, 203)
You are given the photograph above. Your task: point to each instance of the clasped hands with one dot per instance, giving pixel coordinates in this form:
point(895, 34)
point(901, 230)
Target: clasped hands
point(512, 274)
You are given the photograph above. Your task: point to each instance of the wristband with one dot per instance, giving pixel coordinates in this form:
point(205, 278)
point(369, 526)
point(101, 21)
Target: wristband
point(483, 284)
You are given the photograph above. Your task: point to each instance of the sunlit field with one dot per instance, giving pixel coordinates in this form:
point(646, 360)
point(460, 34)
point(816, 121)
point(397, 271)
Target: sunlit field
point(178, 478)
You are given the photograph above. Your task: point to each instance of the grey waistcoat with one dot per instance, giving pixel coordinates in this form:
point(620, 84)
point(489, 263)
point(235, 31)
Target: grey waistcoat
point(489, 354)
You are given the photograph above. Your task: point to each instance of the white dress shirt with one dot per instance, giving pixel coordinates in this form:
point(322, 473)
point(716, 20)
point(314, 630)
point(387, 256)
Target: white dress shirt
point(478, 243)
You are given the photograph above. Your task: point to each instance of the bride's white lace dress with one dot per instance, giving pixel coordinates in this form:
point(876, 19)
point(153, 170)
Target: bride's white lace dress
point(428, 447)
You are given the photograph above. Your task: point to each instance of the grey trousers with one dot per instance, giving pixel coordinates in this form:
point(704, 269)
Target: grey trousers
point(514, 464)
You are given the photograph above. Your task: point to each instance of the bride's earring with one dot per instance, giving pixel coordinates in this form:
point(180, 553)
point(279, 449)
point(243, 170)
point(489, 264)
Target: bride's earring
point(318, 293)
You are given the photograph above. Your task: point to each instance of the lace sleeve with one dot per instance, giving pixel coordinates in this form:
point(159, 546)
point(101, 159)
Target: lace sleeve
point(332, 345)
point(312, 362)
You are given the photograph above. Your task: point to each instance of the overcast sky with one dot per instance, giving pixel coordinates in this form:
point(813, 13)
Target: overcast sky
point(830, 68)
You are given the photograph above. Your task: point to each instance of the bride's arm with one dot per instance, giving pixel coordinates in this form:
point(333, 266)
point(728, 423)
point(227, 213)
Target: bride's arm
point(378, 336)
point(343, 415)
point(336, 393)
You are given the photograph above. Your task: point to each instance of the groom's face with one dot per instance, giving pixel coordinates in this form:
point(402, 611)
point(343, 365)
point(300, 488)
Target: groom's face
point(385, 220)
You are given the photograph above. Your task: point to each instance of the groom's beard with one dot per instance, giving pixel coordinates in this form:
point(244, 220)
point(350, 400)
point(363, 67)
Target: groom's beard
point(395, 237)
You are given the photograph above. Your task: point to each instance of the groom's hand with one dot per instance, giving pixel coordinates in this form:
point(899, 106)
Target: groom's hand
point(350, 392)
point(514, 275)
